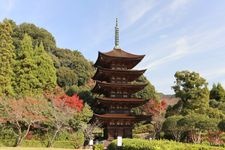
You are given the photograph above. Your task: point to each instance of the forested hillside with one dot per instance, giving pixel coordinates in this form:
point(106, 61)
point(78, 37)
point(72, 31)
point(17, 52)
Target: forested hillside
point(31, 48)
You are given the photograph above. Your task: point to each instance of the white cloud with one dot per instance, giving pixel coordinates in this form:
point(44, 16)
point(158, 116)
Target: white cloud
point(192, 43)
point(181, 49)
point(135, 10)
point(163, 16)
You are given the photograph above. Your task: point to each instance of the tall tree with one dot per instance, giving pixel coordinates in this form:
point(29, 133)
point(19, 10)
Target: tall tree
point(192, 89)
point(46, 72)
point(6, 58)
point(217, 92)
point(148, 92)
point(26, 69)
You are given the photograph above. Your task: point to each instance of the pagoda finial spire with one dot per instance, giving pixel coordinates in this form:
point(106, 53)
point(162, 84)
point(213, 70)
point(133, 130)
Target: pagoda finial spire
point(117, 35)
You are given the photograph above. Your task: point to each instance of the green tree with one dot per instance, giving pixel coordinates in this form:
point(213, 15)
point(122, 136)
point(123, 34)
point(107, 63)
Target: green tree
point(217, 92)
point(148, 92)
point(192, 90)
point(170, 127)
point(37, 34)
point(75, 64)
point(196, 124)
point(46, 72)
point(6, 58)
point(66, 77)
point(26, 69)
point(221, 125)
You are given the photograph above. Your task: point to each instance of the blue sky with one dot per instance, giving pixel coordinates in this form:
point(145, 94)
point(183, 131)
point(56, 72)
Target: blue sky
point(175, 35)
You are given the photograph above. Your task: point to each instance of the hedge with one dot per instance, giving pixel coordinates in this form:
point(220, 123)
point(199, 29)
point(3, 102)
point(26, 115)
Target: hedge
point(140, 144)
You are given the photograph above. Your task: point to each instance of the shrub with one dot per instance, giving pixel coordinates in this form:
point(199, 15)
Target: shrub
point(99, 147)
point(75, 139)
point(140, 144)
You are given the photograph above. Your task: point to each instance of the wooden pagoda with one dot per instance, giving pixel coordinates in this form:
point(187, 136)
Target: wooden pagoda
point(115, 86)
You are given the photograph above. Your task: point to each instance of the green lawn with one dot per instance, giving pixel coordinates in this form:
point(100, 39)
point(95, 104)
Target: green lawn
point(35, 148)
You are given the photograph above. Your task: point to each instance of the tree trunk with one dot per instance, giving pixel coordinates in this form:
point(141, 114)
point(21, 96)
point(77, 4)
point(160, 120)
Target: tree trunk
point(21, 137)
point(50, 142)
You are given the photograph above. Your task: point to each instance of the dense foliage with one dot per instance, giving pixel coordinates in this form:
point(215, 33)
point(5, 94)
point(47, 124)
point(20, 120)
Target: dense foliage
point(32, 68)
point(196, 117)
point(6, 58)
point(140, 144)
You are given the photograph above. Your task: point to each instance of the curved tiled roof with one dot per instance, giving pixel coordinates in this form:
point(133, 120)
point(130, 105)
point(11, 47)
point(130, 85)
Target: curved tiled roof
point(121, 53)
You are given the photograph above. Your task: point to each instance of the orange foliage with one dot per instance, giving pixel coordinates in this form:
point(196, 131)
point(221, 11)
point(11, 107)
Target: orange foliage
point(154, 107)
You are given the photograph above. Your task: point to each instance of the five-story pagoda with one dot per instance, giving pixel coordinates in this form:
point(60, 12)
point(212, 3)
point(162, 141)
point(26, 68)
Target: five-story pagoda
point(115, 86)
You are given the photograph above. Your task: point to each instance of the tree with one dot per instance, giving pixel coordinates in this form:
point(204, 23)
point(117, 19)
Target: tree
point(148, 92)
point(192, 90)
point(22, 114)
point(217, 92)
point(74, 62)
point(37, 34)
point(26, 69)
point(196, 124)
point(63, 110)
point(170, 126)
point(157, 110)
point(66, 77)
point(6, 59)
point(46, 72)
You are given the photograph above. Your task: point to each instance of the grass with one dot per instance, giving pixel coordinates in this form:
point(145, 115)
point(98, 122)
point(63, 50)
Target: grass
point(35, 148)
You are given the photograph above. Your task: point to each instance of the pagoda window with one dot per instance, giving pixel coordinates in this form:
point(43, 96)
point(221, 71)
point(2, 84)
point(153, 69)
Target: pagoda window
point(118, 79)
point(113, 94)
point(113, 66)
point(119, 94)
point(125, 94)
point(123, 67)
point(113, 79)
point(123, 80)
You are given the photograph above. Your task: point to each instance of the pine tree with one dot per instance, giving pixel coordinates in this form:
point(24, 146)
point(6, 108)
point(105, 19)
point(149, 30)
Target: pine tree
point(6, 58)
point(217, 92)
point(25, 70)
point(46, 72)
point(192, 89)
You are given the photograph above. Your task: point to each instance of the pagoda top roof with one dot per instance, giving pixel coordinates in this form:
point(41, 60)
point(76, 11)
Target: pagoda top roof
point(121, 54)
point(106, 58)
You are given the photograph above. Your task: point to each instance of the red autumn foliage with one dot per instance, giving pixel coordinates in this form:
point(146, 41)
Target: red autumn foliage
point(214, 137)
point(61, 100)
point(71, 101)
point(154, 107)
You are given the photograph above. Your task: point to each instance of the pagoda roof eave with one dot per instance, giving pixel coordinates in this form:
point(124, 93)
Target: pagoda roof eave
point(108, 86)
point(121, 99)
point(122, 116)
point(134, 102)
point(111, 71)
